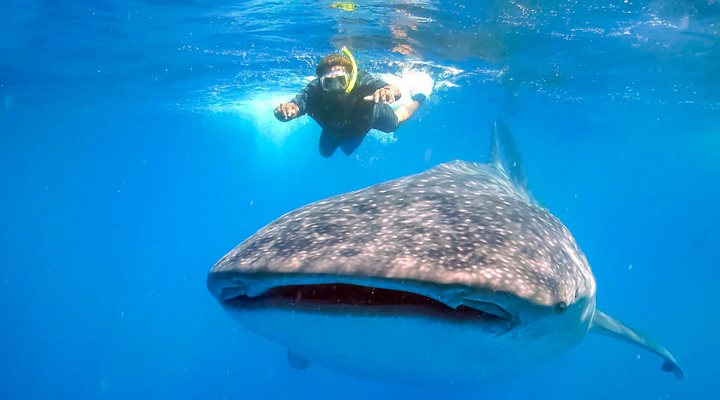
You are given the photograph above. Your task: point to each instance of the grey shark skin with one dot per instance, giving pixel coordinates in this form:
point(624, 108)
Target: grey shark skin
point(451, 275)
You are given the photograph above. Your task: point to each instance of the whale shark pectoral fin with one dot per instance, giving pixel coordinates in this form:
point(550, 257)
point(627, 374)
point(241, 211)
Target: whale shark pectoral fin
point(606, 325)
point(296, 361)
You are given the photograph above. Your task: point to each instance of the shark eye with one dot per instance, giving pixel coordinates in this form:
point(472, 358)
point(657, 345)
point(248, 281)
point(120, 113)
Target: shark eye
point(560, 307)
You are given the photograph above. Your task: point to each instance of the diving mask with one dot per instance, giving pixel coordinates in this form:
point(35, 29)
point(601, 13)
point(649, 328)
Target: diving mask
point(335, 81)
point(339, 79)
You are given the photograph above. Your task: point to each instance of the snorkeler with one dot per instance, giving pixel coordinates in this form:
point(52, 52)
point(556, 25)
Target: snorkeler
point(347, 103)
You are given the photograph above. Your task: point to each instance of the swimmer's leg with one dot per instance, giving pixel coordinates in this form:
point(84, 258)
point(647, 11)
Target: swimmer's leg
point(404, 113)
point(384, 118)
point(328, 144)
point(350, 145)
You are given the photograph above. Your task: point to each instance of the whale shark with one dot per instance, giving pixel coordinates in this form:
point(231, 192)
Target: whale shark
point(453, 275)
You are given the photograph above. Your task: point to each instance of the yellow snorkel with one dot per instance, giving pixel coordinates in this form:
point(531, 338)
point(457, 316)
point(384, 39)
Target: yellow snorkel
point(353, 75)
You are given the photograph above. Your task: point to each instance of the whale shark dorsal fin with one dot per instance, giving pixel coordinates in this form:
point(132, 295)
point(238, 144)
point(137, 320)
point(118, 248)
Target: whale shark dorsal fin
point(606, 325)
point(505, 157)
point(495, 158)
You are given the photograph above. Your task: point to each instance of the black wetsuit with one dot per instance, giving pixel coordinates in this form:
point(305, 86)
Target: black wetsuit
point(347, 119)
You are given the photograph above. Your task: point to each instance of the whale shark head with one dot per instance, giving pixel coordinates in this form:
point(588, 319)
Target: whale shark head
point(451, 275)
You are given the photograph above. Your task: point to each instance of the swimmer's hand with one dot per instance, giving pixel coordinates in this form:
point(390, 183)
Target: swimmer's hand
point(385, 94)
point(287, 111)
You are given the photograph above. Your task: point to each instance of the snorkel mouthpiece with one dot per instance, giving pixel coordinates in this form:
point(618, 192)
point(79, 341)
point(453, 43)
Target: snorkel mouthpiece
point(353, 74)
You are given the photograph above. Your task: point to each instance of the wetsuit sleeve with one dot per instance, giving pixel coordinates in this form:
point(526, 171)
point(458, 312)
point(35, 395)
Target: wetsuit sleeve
point(304, 99)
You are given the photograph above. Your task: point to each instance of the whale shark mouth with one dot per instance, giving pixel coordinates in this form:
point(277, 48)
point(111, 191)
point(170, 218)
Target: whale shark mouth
point(350, 299)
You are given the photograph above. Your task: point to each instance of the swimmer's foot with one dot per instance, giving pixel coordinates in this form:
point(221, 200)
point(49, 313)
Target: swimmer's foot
point(418, 95)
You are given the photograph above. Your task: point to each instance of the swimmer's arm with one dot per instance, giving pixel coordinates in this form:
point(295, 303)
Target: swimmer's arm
point(379, 88)
point(385, 94)
point(287, 112)
point(297, 107)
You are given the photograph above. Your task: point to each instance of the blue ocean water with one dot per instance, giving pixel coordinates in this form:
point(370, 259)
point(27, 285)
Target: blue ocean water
point(138, 146)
